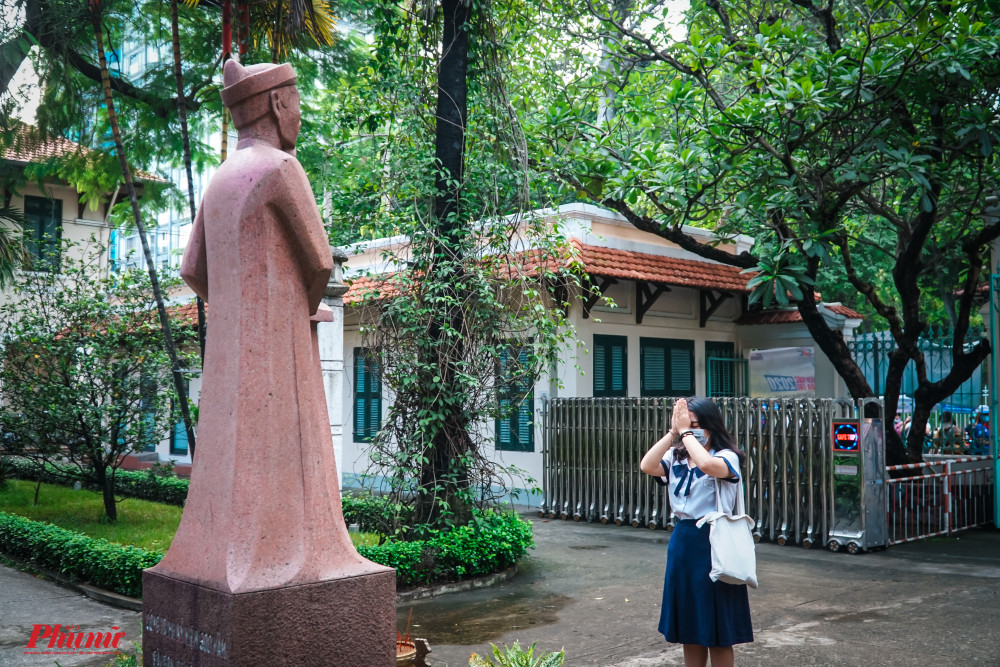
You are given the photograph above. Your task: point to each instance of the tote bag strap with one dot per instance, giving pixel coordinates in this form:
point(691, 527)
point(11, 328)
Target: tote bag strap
point(740, 510)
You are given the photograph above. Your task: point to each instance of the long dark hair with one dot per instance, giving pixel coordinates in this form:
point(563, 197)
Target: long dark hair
point(710, 419)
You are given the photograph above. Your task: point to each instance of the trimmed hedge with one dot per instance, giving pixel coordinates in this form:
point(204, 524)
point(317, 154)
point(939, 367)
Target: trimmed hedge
point(101, 563)
point(493, 542)
point(131, 483)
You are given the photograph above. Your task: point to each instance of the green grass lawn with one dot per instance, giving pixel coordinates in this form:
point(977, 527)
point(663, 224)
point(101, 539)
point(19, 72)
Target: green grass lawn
point(141, 523)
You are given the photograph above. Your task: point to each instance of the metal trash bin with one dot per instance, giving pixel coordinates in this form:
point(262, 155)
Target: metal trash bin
point(857, 470)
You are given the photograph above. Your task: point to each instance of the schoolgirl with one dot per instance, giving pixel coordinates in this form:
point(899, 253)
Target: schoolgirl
point(707, 617)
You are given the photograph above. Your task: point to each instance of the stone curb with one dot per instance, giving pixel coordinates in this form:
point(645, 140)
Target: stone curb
point(457, 586)
point(92, 592)
point(108, 597)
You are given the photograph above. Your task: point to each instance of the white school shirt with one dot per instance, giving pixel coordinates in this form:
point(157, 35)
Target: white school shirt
point(692, 492)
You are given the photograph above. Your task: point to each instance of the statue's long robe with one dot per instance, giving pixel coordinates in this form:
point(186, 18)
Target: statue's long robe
point(263, 510)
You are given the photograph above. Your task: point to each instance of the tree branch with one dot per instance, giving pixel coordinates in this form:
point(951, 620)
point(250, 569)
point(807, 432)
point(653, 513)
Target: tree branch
point(161, 106)
point(825, 16)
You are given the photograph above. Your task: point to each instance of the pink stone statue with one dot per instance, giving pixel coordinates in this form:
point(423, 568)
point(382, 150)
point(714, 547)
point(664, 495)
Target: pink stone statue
point(263, 510)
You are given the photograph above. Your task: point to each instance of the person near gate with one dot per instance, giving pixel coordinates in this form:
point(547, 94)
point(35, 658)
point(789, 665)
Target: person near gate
point(948, 439)
point(980, 445)
point(707, 617)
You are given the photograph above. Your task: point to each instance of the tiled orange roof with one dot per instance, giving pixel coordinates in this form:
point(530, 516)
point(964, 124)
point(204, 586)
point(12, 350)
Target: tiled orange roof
point(385, 286)
point(843, 310)
point(769, 317)
point(640, 266)
point(790, 315)
point(29, 146)
point(187, 314)
point(599, 262)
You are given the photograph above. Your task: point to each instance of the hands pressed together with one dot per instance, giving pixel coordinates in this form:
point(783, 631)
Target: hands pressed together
point(680, 421)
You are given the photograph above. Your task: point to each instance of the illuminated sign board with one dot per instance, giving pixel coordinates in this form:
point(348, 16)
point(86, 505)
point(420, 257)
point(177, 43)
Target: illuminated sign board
point(845, 435)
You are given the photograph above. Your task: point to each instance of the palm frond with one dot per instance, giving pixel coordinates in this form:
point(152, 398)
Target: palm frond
point(287, 24)
point(13, 252)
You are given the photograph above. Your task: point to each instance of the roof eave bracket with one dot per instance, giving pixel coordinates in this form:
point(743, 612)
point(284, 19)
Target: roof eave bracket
point(710, 303)
point(595, 295)
point(646, 297)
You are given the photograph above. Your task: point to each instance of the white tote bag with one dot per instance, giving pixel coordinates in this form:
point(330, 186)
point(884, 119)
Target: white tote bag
point(734, 560)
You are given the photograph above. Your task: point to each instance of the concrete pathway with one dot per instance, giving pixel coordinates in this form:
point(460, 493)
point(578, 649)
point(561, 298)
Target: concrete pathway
point(595, 591)
point(26, 601)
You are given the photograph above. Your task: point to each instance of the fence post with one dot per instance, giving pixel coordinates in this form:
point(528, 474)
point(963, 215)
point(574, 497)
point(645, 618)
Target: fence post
point(994, 388)
point(947, 497)
point(546, 488)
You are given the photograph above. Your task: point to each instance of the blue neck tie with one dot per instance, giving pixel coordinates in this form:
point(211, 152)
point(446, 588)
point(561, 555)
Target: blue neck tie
point(683, 472)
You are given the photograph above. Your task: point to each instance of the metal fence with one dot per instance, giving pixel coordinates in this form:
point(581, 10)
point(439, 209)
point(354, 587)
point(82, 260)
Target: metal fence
point(593, 447)
point(939, 497)
point(870, 350)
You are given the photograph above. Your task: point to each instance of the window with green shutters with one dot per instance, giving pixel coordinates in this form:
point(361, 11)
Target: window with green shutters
point(666, 367)
point(43, 221)
point(610, 366)
point(147, 404)
point(719, 375)
point(367, 395)
point(515, 428)
point(179, 440)
point(179, 436)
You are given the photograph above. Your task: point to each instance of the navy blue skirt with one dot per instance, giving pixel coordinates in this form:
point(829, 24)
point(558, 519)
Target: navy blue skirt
point(697, 610)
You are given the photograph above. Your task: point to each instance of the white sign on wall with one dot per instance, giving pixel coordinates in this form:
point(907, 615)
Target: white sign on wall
point(783, 372)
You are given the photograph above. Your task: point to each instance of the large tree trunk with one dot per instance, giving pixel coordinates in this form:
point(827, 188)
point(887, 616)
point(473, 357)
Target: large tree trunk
point(445, 470)
point(168, 338)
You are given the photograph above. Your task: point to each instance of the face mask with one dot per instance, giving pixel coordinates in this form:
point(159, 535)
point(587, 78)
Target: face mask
point(699, 435)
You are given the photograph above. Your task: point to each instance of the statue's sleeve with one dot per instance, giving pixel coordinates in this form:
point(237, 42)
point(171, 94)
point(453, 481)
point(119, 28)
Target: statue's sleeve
point(296, 206)
point(194, 265)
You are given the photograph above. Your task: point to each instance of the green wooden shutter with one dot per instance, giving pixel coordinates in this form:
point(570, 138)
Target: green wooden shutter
point(681, 367)
point(515, 425)
point(618, 369)
point(503, 425)
point(179, 439)
point(367, 395)
point(600, 365)
point(610, 366)
point(666, 367)
point(44, 230)
point(526, 424)
point(653, 369)
point(179, 436)
point(359, 399)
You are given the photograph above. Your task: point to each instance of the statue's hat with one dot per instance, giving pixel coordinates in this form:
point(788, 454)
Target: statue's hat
point(242, 82)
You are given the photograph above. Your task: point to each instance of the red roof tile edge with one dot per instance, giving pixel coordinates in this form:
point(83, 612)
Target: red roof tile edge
point(603, 262)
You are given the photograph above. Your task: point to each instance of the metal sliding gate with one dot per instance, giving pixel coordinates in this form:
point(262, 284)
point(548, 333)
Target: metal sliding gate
point(593, 447)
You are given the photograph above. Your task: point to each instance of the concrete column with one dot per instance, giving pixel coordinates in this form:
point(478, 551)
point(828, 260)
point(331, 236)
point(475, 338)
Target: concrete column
point(331, 357)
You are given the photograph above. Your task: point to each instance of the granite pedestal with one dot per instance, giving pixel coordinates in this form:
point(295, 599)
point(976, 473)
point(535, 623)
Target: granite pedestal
point(187, 625)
